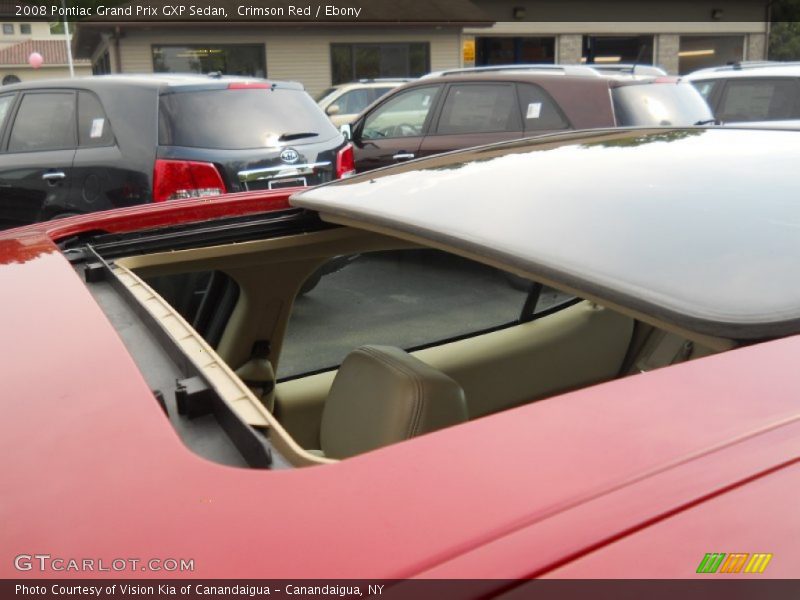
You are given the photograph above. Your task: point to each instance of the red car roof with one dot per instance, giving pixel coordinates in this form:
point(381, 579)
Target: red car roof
point(562, 487)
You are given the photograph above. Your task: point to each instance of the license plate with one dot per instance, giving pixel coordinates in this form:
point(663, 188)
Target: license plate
point(276, 184)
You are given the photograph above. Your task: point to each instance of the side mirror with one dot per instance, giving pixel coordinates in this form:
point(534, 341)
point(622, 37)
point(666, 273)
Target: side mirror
point(346, 131)
point(332, 109)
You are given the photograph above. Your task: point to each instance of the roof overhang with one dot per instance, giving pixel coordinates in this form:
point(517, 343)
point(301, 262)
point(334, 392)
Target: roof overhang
point(451, 14)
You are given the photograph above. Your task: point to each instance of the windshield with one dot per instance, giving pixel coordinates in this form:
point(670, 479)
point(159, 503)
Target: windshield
point(660, 104)
point(236, 119)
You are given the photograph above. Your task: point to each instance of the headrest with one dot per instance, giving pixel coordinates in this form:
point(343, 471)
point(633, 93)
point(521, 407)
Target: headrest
point(382, 395)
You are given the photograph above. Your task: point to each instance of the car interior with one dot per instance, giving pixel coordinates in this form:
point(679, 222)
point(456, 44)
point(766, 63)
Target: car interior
point(473, 353)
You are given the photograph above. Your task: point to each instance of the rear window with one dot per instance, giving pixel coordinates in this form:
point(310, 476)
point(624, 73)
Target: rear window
point(659, 105)
point(405, 298)
point(240, 119)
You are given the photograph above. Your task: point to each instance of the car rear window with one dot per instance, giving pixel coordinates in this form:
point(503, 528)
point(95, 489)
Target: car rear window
point(405, 298)
point(236, 119)
point(659, 105)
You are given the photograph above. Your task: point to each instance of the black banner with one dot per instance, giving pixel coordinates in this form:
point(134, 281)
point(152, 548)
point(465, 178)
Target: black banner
point(610, 589)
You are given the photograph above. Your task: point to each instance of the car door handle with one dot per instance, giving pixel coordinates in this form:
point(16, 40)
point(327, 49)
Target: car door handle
point(53, 176)
point(403, 156)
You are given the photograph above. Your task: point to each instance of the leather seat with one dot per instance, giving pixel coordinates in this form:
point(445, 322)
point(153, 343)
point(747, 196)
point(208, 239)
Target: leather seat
point(383, 395)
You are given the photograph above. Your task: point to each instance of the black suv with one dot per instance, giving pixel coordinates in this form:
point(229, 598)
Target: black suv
point(81, 145)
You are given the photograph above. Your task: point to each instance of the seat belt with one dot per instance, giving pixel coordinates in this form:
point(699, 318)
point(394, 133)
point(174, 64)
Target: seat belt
point(258, 374)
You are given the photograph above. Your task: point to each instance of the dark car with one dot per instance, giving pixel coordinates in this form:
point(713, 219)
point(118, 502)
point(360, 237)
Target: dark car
point(81, 145)
point(470, 107)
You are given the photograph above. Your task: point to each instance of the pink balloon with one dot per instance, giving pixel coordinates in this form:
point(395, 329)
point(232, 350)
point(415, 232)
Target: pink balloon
point(35, 60)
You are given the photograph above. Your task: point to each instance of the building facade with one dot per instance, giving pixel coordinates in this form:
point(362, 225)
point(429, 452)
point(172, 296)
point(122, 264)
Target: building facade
point(687, 36)
point(679, 36)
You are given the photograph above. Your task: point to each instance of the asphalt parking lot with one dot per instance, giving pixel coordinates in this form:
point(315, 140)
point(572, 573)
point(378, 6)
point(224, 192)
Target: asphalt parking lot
point(406, 299)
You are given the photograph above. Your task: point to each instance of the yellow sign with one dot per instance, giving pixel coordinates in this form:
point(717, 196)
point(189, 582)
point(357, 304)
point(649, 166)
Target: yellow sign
point(469, 51)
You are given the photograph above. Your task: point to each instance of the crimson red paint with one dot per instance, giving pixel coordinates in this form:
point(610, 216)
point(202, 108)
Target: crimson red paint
point(656, 469)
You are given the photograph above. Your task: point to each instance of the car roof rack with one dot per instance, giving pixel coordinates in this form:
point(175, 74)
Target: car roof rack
point(754, 64)
point(383, 80)
point(543, 68)
point(628, 68)
point(585, 70)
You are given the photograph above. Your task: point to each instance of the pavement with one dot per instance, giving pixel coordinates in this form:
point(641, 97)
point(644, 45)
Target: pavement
point(406, 299)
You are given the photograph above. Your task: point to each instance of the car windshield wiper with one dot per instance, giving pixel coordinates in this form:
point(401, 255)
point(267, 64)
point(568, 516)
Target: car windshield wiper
point(287, 137)
point(709, 122)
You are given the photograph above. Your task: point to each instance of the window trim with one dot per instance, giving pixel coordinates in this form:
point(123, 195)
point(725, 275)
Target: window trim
point(353, 45)
point(261, 46)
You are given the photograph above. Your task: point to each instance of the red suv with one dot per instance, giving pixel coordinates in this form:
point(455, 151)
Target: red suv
point(470, 107)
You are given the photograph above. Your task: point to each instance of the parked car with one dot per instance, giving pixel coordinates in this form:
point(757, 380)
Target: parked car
point(80, 145)
point(751, 91)
point(468, 107)
point(342, 103)
point(630, 427)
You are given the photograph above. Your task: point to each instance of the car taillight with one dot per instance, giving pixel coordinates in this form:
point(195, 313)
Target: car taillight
point(178, 179)
point(345, 162)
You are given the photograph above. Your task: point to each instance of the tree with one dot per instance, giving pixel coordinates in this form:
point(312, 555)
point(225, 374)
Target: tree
point(784, 38)
point(784, 41)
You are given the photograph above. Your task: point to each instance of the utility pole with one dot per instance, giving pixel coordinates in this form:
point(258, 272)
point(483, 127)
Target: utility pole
point(68, 40)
